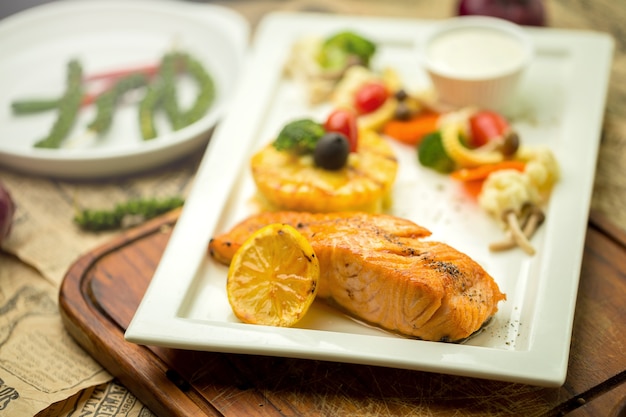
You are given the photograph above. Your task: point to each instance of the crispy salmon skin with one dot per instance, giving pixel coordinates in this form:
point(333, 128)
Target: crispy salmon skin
point(380, 269)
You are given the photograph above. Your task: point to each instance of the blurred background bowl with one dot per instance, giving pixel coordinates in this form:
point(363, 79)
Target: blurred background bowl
point(476, 60)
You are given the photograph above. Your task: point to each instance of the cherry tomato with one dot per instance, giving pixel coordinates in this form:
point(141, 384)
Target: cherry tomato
point(486, 125)
point(370, 96)
point(344, 121)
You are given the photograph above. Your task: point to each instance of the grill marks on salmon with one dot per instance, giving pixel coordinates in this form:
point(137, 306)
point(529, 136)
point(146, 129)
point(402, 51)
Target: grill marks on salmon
point(380, 269)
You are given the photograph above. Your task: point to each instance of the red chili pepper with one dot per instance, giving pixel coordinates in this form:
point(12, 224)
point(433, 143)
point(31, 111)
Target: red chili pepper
point(149, 70)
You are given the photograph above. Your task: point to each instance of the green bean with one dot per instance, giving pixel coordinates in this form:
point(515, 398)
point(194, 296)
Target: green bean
point(206, 95)
point(68, 108)
point(107, 101)
point(147, 109)
point(162, 94)
point(168, 86)
point(140, 209)
point(30, 106)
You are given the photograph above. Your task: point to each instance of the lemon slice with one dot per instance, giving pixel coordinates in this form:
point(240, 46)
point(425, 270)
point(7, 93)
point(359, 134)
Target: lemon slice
point(465, 157)
point(272, 279)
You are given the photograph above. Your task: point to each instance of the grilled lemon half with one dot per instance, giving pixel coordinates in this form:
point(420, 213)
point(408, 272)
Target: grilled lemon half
point(272, 279)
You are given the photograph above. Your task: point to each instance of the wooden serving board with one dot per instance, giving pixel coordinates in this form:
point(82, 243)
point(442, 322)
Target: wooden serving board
point(101, 291)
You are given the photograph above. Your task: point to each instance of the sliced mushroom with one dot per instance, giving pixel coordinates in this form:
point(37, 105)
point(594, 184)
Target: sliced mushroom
point(535, 219)
point(516, 232)
point(531, 218)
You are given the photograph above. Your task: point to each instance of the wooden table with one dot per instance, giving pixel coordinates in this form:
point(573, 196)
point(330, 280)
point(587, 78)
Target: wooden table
point(102, 290)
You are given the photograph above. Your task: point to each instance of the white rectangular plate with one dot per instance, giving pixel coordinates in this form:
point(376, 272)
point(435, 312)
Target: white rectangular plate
point(561, 104)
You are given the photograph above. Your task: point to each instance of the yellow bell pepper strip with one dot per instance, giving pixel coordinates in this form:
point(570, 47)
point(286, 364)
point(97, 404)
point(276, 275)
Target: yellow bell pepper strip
point(463, 156)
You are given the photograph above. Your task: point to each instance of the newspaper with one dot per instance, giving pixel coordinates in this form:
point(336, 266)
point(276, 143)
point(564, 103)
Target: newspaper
point(40, 364)
point(42, 369)
point(110, 399)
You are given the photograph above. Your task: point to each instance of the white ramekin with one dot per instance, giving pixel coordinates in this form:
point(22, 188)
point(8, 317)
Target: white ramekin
point(491, 87)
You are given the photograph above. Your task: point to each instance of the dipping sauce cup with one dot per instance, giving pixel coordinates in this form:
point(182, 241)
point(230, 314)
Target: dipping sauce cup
point(476, 60)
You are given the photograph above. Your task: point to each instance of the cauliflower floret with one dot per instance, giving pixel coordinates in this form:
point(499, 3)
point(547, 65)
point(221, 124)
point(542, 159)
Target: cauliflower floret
point(504, 194)
point(514, 198)
point(301, 61)
point(303, 67)
point(542, 169)
point(506, 190)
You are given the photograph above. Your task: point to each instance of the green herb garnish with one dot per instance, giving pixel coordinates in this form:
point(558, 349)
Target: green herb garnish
point(299, 136)
point(135, 210)
point(432, 154)
point(342, 48)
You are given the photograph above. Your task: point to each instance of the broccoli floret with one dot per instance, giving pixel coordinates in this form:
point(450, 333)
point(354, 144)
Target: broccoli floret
point(339, 48)
point(432, 154)
point(299, 136)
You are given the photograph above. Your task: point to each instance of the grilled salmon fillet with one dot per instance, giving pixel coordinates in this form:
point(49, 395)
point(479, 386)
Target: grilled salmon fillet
point(380, 269)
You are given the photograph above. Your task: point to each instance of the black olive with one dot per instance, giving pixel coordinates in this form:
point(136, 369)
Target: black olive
point(510, 144)
point(401, 95)
point(403, 112)
point(331, 151)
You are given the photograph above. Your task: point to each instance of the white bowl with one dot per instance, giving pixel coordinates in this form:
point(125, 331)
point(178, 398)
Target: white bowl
point(476, 60)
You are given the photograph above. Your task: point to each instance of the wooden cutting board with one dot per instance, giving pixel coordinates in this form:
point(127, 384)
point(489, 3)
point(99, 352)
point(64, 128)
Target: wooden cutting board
point(101, 291)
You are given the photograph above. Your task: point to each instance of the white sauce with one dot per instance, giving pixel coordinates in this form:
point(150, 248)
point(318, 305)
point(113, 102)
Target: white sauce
point(474, 52)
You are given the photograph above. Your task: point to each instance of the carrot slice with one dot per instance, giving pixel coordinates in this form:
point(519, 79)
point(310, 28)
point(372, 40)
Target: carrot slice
point(473, 188)
point(412, 131)
point(481, 172)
